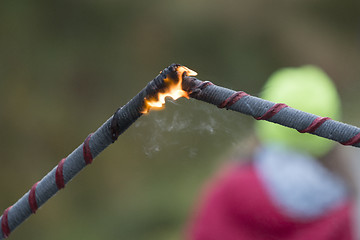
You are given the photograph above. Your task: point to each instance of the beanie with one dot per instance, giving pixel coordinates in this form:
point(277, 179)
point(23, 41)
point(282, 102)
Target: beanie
point(308, 89)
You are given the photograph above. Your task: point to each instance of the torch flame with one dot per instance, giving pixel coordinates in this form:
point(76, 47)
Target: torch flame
point(173, 89)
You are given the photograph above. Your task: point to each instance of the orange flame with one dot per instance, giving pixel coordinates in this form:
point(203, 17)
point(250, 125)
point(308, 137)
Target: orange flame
point(173, 89)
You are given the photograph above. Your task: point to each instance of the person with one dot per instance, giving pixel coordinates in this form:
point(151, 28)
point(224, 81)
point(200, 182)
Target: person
point(285, 190)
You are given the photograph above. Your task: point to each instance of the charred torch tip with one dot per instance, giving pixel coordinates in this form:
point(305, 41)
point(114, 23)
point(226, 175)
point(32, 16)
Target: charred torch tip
point(172, 77)
point(176, 72)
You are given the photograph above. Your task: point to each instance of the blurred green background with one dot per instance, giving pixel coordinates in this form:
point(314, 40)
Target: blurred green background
point(66, 66)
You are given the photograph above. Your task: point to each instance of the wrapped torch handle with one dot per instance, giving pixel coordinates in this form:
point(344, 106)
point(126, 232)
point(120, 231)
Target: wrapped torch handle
point(278, 113)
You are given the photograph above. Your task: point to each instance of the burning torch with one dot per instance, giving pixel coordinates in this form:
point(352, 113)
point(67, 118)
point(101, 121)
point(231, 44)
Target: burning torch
point(174, 81)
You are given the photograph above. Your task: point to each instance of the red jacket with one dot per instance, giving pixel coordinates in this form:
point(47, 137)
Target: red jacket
point(236, 206)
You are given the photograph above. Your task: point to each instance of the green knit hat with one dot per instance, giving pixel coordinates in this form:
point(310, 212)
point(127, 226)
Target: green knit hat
point(306, 88)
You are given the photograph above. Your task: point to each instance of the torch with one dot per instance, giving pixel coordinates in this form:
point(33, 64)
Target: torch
point(174, 81)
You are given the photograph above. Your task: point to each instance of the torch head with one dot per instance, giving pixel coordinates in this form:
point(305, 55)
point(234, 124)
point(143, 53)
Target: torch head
point(308, 89)
point(172, 78)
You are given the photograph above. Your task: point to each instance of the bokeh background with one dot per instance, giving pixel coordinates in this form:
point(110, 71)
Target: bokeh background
point(66, 66)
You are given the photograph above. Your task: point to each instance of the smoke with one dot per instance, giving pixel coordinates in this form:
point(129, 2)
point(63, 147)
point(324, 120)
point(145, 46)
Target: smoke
point(172, 127)
point(181, 125)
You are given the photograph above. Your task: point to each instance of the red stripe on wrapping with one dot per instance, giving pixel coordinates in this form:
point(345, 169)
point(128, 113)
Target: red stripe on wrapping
point(86, 150)
point(5, 223)
point(233, 99)
point(272, 111)
point(315, 125)
point(203, 85)
point(59, 176)
point(352, 141)
point(32, 198)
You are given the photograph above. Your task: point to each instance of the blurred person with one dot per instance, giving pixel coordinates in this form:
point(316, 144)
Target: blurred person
point(287, 189)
